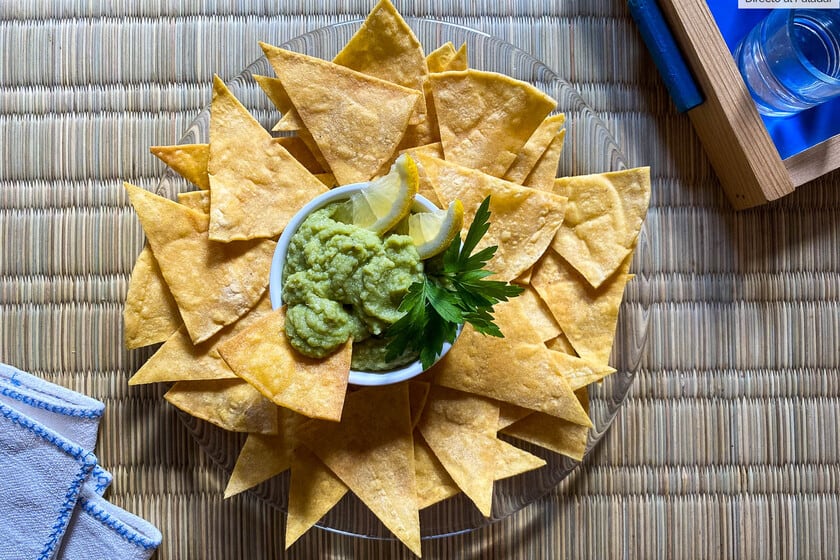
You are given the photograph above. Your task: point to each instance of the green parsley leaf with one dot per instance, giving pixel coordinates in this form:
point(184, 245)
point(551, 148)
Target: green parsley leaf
point(454, 291)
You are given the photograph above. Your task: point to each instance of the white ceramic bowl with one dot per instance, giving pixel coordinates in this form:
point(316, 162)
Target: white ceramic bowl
point(275, 279)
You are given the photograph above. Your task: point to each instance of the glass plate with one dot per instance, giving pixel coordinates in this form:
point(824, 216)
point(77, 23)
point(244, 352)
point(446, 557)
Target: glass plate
point(589, 148)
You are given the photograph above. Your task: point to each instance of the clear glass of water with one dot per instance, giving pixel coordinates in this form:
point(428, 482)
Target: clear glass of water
point(790, 61)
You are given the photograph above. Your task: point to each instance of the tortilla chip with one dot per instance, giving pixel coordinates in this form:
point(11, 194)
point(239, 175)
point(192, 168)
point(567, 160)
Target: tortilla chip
point(344, 109)
point(483, 365)
point(256, 185)
point(433, 482)
point(313, 491)
point(587, 316)
point(188, 160)
point(523, 221)
point(460, 428)
point(301, 152)
point(418, 392)
point(545, 171)
point(434, 150)
point(540, 316)
point(534, 148)
point(511, 413)
point(328, 179)
point(459, 62)
point(372, 452)
point(265, 455)
point(179, 360)
point(196, 200)
point(150, 314)
point(603, 220)
point(524, 279)
point(486, 118)
point(561, 344)
point(385, 47)
point(438, 60)
point(263, 356)
point(231, 404)
point(554, 434)
point(578, 371)
point(214, 284)
point(511, 461)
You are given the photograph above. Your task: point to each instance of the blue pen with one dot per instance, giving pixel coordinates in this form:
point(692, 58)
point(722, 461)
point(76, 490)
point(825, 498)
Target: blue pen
point(666, 54)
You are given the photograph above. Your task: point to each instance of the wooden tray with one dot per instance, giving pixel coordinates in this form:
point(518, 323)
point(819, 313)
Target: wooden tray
point(737, 142)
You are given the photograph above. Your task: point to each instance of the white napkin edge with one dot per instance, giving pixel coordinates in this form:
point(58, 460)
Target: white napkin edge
point(130, 527)
point(86, 459)
point(38, 393)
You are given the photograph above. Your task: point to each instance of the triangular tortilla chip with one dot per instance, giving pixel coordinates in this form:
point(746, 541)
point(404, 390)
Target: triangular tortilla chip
point(587, 316)
point(301, 152)
point(578, 371)
point(196, 200)
point(150, 314)
point(540, 316)
point(446, 58)
point(523, 221)
point(343, 110)
point(433, 482)
point(554, 434)
point(372, 452)
point(265, 455)
point(513, 369)
point(214, 284)
point(180, 360)
point(256, 185)
point(313, 491)
point(511, 413)
point(485, 118)
point(604, 215)
point(561, 344)
point(460, 428)
point(263, 356)
point(545, 171)
point(511, 461)
point(385, 47)
point(188, 160)
point(231, 404)
point(534, 148)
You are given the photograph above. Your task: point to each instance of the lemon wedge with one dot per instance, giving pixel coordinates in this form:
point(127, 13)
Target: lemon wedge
point(388, 199)
point(432, 232)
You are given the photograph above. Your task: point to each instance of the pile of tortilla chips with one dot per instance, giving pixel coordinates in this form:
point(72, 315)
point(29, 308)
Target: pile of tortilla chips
point(200, 285)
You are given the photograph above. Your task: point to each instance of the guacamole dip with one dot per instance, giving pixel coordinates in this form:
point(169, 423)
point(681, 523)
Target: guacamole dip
point(342, 281)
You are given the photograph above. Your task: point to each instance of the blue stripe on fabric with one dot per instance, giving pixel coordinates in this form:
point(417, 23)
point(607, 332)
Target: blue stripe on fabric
point(125, 531)
point(28, 400)
point(86, 459)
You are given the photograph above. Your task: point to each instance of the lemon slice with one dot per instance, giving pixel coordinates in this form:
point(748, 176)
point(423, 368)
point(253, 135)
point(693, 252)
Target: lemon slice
point(432, 232)
point(388, 199)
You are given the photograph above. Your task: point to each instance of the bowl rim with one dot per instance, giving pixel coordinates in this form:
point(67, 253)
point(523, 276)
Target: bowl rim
point(278, 261)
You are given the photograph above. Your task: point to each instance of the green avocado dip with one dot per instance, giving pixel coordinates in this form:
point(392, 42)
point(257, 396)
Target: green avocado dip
point(342, 281)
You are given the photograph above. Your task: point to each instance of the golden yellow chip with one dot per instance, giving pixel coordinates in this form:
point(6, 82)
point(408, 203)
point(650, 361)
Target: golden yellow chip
point(328, 179)
point(517, 369)
point(545, 171)
point(343, 110)
point(587, 316)
point(299, 150)
point(485, 118)
point(263, 356)
point(418, 392)
point(213, 283)
point(438, 60)
point(433, 482)
point(371, 450)
point(188, 160)
point(534, 148)
point(603, 219)
point(150, 314)
point(561, 344)
point(231, 404)
point(511, 413)
point(178, 359)
point(578, 371)
point(459, 62)
point(552, 433)
point(196, 200)
point(256, 185)
point(460, 428)
point(540, 316)
point(265, 455)
point(511, 461)
point(385, 47)
point(523, 221)
point(313, 491)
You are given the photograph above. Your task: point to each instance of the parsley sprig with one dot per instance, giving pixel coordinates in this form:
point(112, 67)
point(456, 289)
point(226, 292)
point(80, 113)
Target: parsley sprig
point(454, 291)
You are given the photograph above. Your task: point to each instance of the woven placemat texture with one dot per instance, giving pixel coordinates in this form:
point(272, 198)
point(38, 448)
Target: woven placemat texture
point(728, 443)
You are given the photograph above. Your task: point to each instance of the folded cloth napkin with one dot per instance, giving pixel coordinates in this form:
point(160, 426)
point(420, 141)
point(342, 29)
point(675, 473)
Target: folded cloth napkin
point(51, 486)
